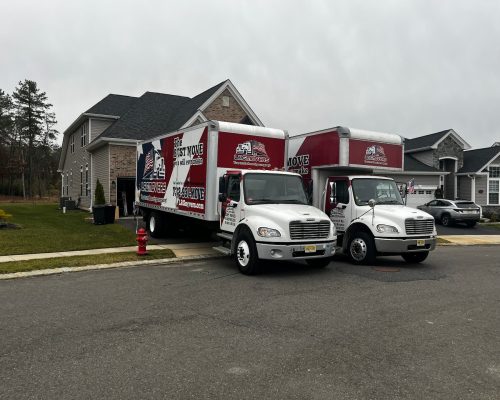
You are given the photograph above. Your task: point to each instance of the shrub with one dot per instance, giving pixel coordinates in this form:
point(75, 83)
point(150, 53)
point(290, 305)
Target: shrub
point(99, 194)
point(4, 216)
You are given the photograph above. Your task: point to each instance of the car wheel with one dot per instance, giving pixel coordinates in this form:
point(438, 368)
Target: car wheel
point(319, 262)
point(471, 224)
point(415, 257)
point(445, 220)
point(245, 255)
point(361, 248)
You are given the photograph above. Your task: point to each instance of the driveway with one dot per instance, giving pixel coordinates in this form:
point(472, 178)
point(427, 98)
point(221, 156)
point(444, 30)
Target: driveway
point(462, 229)
point(201, 330)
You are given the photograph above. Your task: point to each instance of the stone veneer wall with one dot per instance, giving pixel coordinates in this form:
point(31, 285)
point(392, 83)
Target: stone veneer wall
point(217, 111)
point(449, 148)
point(122, 164)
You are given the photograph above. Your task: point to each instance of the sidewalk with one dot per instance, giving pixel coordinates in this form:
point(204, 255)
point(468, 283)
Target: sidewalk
point(180, 250)
point(206, 249)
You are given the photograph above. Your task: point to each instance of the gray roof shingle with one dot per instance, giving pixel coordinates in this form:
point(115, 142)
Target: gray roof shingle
point(156, 113)
point(474, 160)
point(412, 164)
point(113, 104)
point(424, 141)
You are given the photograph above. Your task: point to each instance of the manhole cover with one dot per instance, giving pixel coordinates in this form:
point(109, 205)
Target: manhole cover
point(386, 269)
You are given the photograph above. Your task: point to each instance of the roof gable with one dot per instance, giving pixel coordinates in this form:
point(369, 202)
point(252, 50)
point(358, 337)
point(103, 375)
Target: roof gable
point(113, 104)
point(477, 160)
point(431, 141)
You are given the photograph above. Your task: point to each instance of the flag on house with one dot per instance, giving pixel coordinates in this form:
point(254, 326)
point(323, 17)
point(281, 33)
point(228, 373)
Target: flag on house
point(411, 186)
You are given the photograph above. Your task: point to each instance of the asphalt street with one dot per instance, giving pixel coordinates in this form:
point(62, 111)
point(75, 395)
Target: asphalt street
point(201, 330)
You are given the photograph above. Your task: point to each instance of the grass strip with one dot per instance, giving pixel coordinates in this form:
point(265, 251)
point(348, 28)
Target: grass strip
point(45, 229)
point(442, 241)
point(81, 261)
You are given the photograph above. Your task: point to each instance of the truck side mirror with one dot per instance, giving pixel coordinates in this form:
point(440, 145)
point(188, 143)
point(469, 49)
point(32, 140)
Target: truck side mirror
point(333, 192)
point(372, 203)
point(222, 189)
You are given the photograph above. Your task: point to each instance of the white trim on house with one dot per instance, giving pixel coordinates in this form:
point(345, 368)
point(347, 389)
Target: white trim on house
point(456, 136)
point(234, 92)
point(101, 141)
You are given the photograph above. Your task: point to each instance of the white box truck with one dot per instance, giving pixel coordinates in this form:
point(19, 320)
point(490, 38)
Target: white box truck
point(232, 176)
point(368, 211)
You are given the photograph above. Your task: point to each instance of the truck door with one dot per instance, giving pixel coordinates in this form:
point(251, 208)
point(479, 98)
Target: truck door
point(229, 198)
point(337, 203)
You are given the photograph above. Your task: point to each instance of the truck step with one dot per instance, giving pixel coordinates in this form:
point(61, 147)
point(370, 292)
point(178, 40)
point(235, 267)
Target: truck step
point(225, 236)
point(223, 250)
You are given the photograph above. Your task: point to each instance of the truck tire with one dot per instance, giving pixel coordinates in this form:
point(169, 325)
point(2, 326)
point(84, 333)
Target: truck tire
point(245, 255)
point(361, 249)
point(415, 258)
point(319, 262)
point(445, 220)
point(155, 224)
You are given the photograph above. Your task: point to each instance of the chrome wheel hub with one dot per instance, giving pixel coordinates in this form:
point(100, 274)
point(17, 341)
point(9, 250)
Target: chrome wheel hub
point(358, 249)
point(243, 253)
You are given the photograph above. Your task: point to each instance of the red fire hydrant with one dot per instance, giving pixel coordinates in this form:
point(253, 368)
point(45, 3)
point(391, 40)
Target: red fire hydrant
point(142, 239)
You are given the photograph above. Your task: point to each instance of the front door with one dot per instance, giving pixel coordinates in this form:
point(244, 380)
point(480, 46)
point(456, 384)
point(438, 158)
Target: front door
point(231, 202)
point(337, 203)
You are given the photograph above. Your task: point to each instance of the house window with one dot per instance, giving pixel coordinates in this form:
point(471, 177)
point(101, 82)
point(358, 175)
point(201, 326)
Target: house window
point(493, 190)
point(494, 184)
point(67, 184)
point(81, 180)
point(225, 101)
point(84, 135)
point(494, 172)
point(428, 192)
point(72, 144)
point(86, 179)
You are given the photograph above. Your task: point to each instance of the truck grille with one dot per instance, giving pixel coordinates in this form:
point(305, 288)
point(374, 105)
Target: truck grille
point(419, 226)
point(309, 230)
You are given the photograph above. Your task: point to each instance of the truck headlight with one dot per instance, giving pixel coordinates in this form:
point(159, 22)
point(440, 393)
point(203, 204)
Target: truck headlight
point(268, 232)
point(387, 228)
point(334, 229)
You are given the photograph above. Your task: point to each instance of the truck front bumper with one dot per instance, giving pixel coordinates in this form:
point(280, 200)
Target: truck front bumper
point(295, 251)
point(404, 245)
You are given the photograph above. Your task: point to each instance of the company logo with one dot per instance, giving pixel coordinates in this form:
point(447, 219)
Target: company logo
point(154, 165)
point(375, 154)
point(251, 151)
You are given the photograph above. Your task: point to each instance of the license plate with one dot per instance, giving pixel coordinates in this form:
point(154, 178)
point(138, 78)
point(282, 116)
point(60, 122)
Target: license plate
point(420, 242)
point(311, 248)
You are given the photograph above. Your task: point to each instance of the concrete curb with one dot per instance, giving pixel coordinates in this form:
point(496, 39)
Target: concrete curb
point(56, 271)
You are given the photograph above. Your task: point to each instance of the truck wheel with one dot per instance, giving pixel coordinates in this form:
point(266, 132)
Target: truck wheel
point(445, 220)
point(155, 225)
point(361, 248)
point(415, 258)
point(245, 256)
point(319, 262)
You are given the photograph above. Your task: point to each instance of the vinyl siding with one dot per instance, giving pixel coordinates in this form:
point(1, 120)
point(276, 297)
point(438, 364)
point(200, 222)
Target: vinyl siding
point(482, 185)
point(464, 188)
point(71, 167)
point(425, 157)
point(97, 126)
point(100, 167)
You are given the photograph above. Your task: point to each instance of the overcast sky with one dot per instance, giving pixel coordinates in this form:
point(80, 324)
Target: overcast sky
point(405, 67)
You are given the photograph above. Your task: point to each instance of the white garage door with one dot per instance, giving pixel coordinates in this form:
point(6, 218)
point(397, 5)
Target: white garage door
point(419, 197)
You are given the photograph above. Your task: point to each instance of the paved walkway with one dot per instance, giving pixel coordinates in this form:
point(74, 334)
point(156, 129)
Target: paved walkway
point(180, 251)
point(206, 249)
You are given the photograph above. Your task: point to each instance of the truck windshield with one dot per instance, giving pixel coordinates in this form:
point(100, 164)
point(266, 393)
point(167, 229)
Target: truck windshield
point(273, 188)
point(383, 191)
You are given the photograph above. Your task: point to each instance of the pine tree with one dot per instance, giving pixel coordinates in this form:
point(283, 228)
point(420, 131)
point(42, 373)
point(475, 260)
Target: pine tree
point(31, 116)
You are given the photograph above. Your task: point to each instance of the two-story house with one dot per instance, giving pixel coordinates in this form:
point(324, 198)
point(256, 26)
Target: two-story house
point(101, 142)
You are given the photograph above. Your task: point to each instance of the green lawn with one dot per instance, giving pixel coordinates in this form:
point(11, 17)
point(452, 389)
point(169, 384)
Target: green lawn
point(80, 261)
point(46, 229)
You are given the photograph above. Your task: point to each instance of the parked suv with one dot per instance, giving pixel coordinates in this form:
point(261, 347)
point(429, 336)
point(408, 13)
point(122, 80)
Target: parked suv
point(450, 211)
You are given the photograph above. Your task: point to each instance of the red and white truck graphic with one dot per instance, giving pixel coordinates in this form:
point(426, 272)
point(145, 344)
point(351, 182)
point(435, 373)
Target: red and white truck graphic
point(232, 175)
point(371, 218)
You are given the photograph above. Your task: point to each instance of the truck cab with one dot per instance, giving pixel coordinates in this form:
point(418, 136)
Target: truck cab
point(371, 219)
point(265, 215)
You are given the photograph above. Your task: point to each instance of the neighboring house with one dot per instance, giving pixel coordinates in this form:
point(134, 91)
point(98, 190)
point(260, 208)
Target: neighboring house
point(479, 177)
point(442, 151)
point(101, 142)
